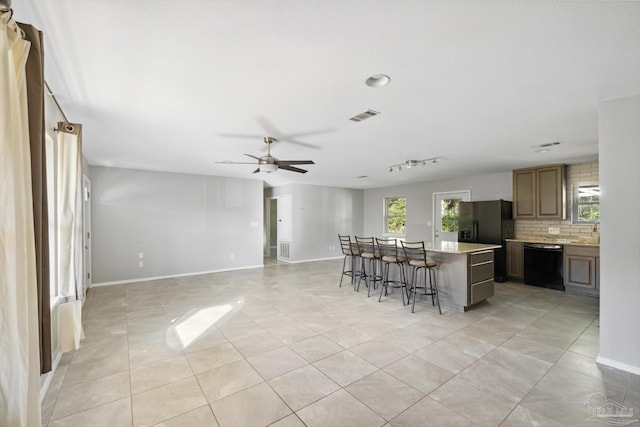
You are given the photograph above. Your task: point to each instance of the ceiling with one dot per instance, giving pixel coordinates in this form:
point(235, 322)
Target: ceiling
point(174, 85)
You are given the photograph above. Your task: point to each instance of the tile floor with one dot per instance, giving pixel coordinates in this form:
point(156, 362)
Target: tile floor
point(285, 346)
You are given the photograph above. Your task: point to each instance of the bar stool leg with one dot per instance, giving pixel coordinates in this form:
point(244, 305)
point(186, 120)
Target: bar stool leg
point(434, 287)
point(403, 282)
point(385, 281)
point(415, 287)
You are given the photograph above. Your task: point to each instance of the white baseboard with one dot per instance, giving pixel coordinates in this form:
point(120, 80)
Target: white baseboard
point(618, 365)
point(312, 260)
point(171, 276)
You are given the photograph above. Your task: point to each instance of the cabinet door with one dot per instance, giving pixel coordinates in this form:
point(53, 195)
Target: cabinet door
point(580, 271)
point(524, 193)
point(550, 192)
point(515, 260)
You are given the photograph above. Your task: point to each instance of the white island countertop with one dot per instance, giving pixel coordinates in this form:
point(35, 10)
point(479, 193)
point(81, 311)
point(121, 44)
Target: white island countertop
point(461, 247)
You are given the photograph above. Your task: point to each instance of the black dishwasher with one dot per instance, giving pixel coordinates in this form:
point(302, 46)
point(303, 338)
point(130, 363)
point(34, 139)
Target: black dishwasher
point(543, 265)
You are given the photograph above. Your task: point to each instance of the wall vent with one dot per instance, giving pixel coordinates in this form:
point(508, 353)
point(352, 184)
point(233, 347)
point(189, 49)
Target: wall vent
point(363, 116)
point(284, 249)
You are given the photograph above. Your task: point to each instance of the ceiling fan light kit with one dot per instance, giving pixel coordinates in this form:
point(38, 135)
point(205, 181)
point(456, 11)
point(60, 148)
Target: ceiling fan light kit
point(268, 167)
point(409, 164)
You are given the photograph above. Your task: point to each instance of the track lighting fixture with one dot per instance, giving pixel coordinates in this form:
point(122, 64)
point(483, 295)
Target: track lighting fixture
point(409, 164)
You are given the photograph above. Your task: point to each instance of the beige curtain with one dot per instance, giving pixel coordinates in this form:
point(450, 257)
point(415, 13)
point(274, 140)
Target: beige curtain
point(35, 98)
point(19, 341)
point(70, 253)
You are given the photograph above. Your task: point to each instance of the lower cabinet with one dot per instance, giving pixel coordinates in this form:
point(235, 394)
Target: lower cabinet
point(480, 276)
point(515, 260)
point(582, 269)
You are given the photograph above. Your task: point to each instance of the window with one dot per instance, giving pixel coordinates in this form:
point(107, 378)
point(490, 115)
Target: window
point(586, 204)
point(450, 215)
point(395, 214)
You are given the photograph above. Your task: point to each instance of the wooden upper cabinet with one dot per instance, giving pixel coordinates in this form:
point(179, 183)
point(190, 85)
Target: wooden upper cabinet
point(524, 193)
point(540, 193)
point(551, 192)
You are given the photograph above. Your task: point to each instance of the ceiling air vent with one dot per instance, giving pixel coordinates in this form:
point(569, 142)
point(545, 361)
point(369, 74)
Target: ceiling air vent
point(363, 116)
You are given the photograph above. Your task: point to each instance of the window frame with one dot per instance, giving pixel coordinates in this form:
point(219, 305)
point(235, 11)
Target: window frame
point(386, 216)
point(575, 204)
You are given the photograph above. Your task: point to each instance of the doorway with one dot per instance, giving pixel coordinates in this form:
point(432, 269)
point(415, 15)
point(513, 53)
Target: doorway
point(86, 232)
point(284, 239)
point(445, 215)
point(271, 229)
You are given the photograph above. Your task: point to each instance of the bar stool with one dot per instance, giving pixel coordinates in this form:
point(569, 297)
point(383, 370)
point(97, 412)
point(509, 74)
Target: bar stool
point(350, 251)
point(369, 262)
point(389, 256)
point(417, 259)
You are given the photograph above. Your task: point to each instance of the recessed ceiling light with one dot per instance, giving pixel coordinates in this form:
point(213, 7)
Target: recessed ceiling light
point(543, 150)
point(549, 144)
point(378, 80)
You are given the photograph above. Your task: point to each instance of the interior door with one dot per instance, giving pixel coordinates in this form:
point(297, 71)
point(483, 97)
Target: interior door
point(446, 214)
point(86, 231)
point(285, 211)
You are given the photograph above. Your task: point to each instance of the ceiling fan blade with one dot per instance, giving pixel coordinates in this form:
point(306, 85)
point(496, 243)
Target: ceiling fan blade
point(252, 156)
point(291, 168)
point(229, 162)
point(308, 133)
point(257, 170)
point(295, 162)
point(275, 132)
point(295, 141)
point(240, 135)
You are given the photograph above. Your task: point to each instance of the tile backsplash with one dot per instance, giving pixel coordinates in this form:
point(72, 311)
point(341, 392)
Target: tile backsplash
point(576, 174)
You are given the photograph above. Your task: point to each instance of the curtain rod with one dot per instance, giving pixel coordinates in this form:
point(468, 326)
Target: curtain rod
point(68, 126)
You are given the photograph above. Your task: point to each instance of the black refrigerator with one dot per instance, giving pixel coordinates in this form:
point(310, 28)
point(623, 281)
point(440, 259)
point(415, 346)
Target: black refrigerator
point(488, 221)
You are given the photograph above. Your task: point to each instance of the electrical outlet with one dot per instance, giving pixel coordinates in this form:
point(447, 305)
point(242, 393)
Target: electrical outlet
point(140, 264)
point(554, 230)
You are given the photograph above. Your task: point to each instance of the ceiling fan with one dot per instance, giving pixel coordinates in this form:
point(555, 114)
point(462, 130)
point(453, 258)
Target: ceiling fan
point(269, 164)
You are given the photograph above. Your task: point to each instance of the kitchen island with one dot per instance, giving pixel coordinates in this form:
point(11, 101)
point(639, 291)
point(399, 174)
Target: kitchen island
point(465, 273)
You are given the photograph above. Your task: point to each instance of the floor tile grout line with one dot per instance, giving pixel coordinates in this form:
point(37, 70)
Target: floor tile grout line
point(457, 328)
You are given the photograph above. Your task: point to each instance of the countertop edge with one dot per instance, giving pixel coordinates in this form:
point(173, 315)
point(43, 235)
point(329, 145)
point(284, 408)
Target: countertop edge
point(479, 248)
point(551, 241)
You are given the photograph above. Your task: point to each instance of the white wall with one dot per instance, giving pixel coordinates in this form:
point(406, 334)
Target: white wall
point(619, 140)
point(319, 215)
point(181, 223)
point(420, 200)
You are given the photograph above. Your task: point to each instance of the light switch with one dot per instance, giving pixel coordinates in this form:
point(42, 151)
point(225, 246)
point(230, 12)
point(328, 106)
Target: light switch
point(140, 255)
point(140, 264)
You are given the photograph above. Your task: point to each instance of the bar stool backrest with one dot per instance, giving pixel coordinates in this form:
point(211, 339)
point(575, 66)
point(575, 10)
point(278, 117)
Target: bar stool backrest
point(345, 244)
point(388, 247)
point(367, 245)
point(414, 251)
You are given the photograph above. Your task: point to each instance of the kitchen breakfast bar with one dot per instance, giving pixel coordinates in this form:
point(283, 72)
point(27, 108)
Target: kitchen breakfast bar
point(465, 273)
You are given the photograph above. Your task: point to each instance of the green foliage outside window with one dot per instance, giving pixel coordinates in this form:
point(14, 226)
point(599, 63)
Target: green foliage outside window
point(396, 214)
point(450, 215)
point(586, 204)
